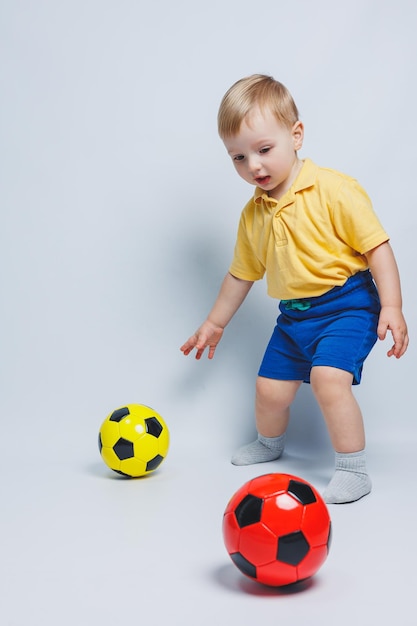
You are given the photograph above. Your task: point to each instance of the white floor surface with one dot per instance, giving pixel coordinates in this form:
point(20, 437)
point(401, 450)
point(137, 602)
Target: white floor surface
point(83, 546)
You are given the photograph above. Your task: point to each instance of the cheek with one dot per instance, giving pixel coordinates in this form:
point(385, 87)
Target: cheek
point(283, 158)
point(240, 168)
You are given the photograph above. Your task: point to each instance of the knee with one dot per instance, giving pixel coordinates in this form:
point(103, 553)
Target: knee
point(280, 392)
point(263, 388)
point(330, 382)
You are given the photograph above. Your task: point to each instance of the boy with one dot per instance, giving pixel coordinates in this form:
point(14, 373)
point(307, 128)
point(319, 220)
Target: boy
point(314, 234)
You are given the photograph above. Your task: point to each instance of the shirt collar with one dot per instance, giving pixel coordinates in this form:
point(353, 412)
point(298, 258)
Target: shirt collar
point(305, 179)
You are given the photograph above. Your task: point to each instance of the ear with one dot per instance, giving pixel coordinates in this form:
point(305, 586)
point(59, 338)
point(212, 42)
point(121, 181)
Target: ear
point(297, 132)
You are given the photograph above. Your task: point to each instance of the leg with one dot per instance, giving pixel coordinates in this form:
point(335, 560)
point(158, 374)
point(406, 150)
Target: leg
point(273, 400)
point(332, 388)
point(272, 406)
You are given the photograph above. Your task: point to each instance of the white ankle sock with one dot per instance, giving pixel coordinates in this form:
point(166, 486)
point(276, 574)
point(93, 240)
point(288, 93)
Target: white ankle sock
point(261, 450)
point(350, 481)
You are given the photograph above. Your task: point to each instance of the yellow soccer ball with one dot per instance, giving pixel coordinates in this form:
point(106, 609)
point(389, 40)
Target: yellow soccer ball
point(133, 440)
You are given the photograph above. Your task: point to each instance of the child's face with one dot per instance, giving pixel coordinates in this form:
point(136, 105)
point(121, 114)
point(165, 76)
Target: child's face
point(264, 152)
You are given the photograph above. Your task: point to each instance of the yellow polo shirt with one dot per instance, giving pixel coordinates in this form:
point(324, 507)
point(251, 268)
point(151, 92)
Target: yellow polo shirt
point(310, 240)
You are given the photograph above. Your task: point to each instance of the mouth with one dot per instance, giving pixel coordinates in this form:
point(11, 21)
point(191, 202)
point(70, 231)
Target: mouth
point(262, 180)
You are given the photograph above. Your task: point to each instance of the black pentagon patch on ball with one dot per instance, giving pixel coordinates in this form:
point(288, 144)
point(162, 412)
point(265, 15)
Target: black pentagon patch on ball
point(119, 414)
point(249, 511)
point(302, 492)
point(122, 473)
point(292, 548)
point(153, 426)
point(100, 443)
point(123, 449)
point(243, 564)
point(154, 463)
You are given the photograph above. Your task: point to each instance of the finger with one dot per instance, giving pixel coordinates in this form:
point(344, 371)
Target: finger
point(186, 348)
point(395, 351)
point(402, 348)
point(189, 345)
point(392, 351)
point(382, 330)
point(396, 347)
point(405, 344)
point(199, 353)
point(400, 345)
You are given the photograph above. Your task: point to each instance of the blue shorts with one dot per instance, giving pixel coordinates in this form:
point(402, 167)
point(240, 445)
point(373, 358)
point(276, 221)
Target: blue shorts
point(337, 329)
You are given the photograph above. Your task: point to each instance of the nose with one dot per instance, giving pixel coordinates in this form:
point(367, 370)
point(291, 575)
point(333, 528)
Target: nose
point(254, 164)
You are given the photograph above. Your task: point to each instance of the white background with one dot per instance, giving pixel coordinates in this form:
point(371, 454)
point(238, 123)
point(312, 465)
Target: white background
point(119, 210)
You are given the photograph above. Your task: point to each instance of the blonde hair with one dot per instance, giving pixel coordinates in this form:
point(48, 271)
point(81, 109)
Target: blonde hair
point(257, 90)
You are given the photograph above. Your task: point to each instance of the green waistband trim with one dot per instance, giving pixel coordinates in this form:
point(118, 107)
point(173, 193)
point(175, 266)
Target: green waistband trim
point(296, 305)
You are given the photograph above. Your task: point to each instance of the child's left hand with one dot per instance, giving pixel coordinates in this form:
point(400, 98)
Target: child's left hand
point(391, 318)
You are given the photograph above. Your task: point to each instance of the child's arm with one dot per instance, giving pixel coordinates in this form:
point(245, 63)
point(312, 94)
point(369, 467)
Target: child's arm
point(231, 295)
point(384, 270)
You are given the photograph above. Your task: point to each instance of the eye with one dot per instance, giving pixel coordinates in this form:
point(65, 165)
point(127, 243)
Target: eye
point(265, 150)
point(238, 157)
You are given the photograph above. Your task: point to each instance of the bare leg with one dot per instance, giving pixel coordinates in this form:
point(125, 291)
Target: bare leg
point(273, 400)
point(333, 390)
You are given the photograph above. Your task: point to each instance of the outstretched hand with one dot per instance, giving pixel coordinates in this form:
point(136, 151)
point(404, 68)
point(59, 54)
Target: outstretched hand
point(391, 318)
point(207, 336)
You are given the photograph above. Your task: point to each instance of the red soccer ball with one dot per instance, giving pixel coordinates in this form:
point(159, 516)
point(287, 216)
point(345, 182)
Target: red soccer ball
point(277, 529)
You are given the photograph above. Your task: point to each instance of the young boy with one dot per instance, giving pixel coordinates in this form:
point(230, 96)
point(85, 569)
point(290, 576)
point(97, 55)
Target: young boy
point(314, 234)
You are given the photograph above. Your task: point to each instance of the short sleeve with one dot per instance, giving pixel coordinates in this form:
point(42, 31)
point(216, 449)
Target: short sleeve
point(355, 220)
point(245, 264)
